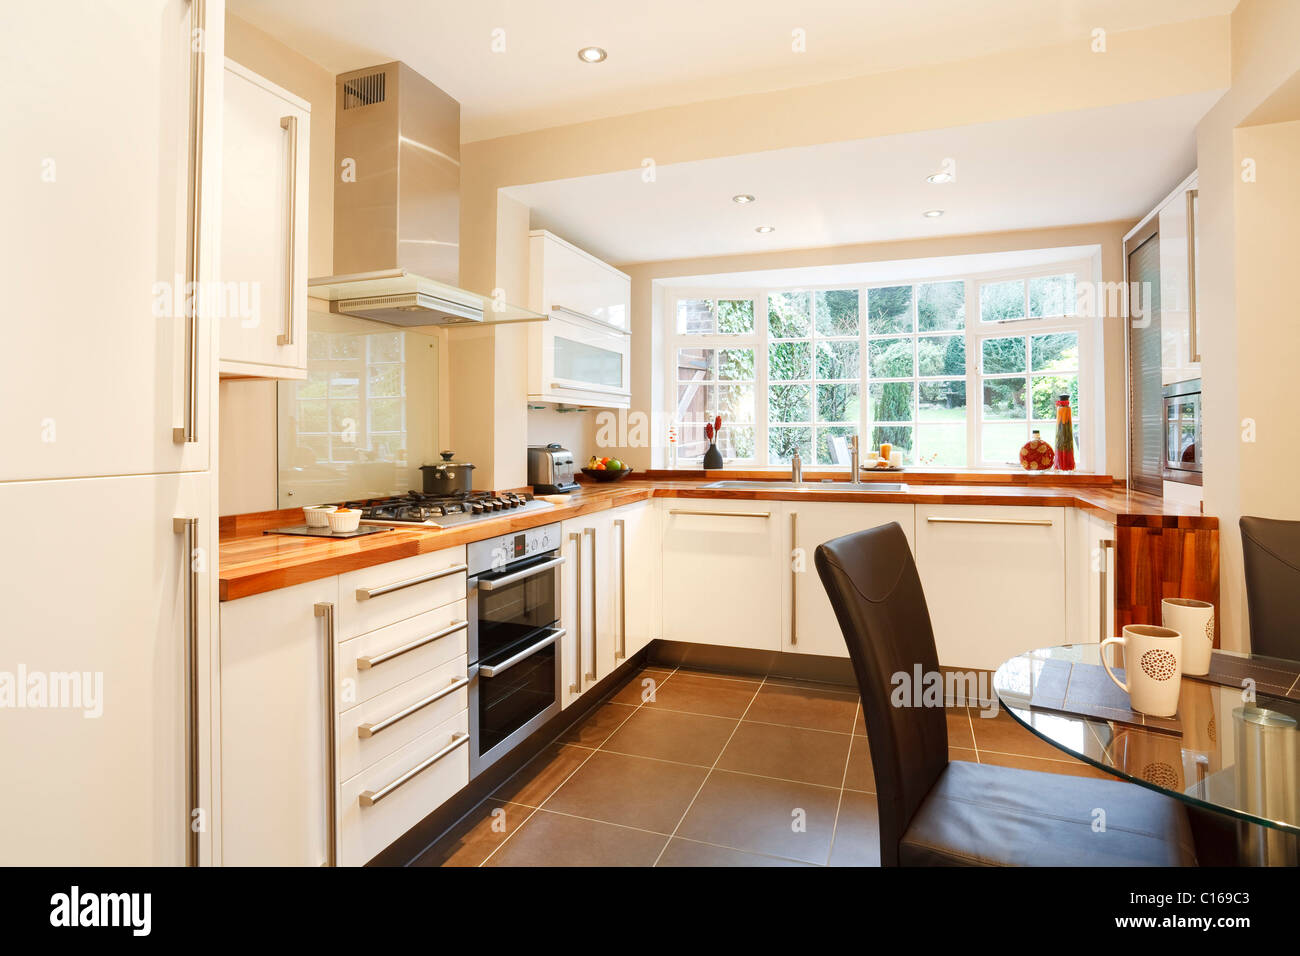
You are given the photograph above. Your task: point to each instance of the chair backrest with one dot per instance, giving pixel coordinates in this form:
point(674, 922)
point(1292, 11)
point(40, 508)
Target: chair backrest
point(873, 586)
point(1271, 550)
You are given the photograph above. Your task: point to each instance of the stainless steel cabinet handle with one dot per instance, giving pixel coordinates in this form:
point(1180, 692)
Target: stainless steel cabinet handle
point(365, 594)
point(495, 669)
point(1103, 566)
point(365, 663)
point(1193, 347)
point(491, 584)
point(595, 619)
point(190, 528)
point(622, 588)
point(1037, 522)
point(291, 189)
point(188, 433)
point(794, 591)
point(370, 729)
point(579, 387)
point(576, 686)
point(722, 514)
point(369, 798)
point(600, 323)
point(326, 611)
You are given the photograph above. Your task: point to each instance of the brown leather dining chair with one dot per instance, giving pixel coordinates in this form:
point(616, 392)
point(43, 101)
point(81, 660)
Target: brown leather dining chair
point(937, 812)
point(1271, 552)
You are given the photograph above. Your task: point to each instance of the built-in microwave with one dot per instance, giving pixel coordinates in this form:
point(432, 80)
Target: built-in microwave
point(1182, 431)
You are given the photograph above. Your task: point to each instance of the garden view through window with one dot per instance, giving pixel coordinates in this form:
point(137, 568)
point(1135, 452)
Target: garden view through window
point(954, 373)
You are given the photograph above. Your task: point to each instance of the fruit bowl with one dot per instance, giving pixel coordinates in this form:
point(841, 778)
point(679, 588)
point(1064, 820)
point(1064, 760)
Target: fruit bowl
point(606, 474)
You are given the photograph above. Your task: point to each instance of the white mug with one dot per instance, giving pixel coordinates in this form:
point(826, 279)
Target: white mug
point(1195, 621)
point(1153, 665)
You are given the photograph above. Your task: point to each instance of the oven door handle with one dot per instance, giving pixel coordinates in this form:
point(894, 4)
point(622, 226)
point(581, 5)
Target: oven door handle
point(492, 670)
point(491, 584)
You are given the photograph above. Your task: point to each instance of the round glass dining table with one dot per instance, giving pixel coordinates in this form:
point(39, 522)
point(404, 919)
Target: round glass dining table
point(1232, 747)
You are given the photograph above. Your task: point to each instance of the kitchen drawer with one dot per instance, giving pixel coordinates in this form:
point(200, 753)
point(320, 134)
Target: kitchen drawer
point(364, 830)
point(387, 664)
point(358, 750)
point(398, 590)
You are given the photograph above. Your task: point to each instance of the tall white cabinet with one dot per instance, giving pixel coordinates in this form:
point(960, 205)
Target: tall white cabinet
point(110, 178)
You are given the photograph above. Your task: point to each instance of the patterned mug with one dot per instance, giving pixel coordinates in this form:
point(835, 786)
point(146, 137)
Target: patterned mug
point(1153, 664)
point(1195, 621)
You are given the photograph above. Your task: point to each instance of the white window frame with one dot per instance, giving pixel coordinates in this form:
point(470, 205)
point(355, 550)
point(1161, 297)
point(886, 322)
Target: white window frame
point(975, 331)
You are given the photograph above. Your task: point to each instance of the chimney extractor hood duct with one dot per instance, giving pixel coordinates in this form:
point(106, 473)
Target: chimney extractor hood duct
point(397, 205)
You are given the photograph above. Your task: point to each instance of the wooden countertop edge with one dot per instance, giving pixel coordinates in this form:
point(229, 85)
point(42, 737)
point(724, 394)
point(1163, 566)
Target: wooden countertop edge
point(260, 573)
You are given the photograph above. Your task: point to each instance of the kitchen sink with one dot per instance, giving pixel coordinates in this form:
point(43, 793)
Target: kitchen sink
point(812, 487)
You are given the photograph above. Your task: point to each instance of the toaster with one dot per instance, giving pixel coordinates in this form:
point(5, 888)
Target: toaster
point(550, 469)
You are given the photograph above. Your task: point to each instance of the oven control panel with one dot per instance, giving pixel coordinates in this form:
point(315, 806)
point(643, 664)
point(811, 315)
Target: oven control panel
point(495, 554)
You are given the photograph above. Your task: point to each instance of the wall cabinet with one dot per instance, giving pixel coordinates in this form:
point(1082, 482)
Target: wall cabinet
point(724, 572)
point(994, 580)
point(264, 228)
point(582, 355)
point(1180, 357)
point(275, 727)
point(811, 627)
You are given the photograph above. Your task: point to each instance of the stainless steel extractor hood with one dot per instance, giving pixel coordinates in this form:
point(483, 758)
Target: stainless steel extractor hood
point(397, 206)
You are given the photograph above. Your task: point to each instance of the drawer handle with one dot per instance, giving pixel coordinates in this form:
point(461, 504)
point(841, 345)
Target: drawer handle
point(495, 669)
point(491, 584)
point(722, 514)
point(369, 798)
point(369, 730)
point(365, 663)
point(365, 594)
point(1039, 522)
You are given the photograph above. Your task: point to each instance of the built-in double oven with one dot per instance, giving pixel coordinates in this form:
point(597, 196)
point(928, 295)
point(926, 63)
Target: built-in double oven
point(514, 640)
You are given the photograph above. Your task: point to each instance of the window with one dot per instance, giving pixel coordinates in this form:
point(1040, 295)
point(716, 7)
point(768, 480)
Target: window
point(953, 372)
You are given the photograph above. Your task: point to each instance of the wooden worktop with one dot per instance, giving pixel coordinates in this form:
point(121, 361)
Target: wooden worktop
point(252, 562)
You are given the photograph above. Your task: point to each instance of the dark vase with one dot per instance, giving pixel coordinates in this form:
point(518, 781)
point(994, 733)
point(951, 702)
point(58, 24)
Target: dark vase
point(712, 457)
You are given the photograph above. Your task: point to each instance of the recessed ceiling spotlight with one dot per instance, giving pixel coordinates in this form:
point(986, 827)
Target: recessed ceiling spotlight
point(742, 198)
point(932, 213)
point(939, 178)
point(765, 229)
point(591, 54)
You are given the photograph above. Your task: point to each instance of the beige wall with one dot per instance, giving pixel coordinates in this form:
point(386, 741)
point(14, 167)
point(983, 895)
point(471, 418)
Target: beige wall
point(1243, 331)
point(247, 472)
point(1141, 64)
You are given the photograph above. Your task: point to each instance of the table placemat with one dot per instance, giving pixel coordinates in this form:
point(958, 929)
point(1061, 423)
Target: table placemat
point(1085, 690)
point(1276, 678)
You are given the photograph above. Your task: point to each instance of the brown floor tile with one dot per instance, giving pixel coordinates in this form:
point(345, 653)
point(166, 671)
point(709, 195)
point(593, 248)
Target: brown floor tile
point(717, 675)
point(681, 852)
point(1075, 768)
point(800, 706)
point(594, 729)
point(758, 814)
point(474, 838)
point(632, 692)
point(632, 791)
point(538, 779)
point(792, 753)
point(1002, 734)
point(553, 839)
point(668, 735)
point(963, 753)
point(959, 721)
point(712, 696)
point(857, 832)
point(860, 723)
point(860, 775)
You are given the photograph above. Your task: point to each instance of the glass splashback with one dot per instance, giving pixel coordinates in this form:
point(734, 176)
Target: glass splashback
point(365, 418)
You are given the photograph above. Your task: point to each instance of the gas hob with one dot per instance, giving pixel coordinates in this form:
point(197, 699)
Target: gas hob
point(415, 509)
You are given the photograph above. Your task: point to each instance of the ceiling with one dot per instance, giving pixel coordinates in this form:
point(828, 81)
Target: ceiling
point(1058, 169)
point(669, 52)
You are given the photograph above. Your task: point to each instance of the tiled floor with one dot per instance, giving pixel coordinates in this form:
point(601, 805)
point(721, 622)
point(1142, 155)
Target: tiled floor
point(714, 770)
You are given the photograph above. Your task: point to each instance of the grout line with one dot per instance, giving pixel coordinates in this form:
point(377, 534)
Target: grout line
point(769, 856)
point(830, 850)
point(710, 773)
point(975, 744)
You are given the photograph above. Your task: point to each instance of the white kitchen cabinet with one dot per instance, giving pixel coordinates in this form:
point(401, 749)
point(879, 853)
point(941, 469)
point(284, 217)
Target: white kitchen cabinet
point(98, 608)
point(96, 180)
point(994, 580)
point(636, 577)
point(1090, 578)
point(724, 571)
point(264, 204)
point(275, 720)
point(810, 624)
point(582, 354)
point(588, 585)
point(1179, 318)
